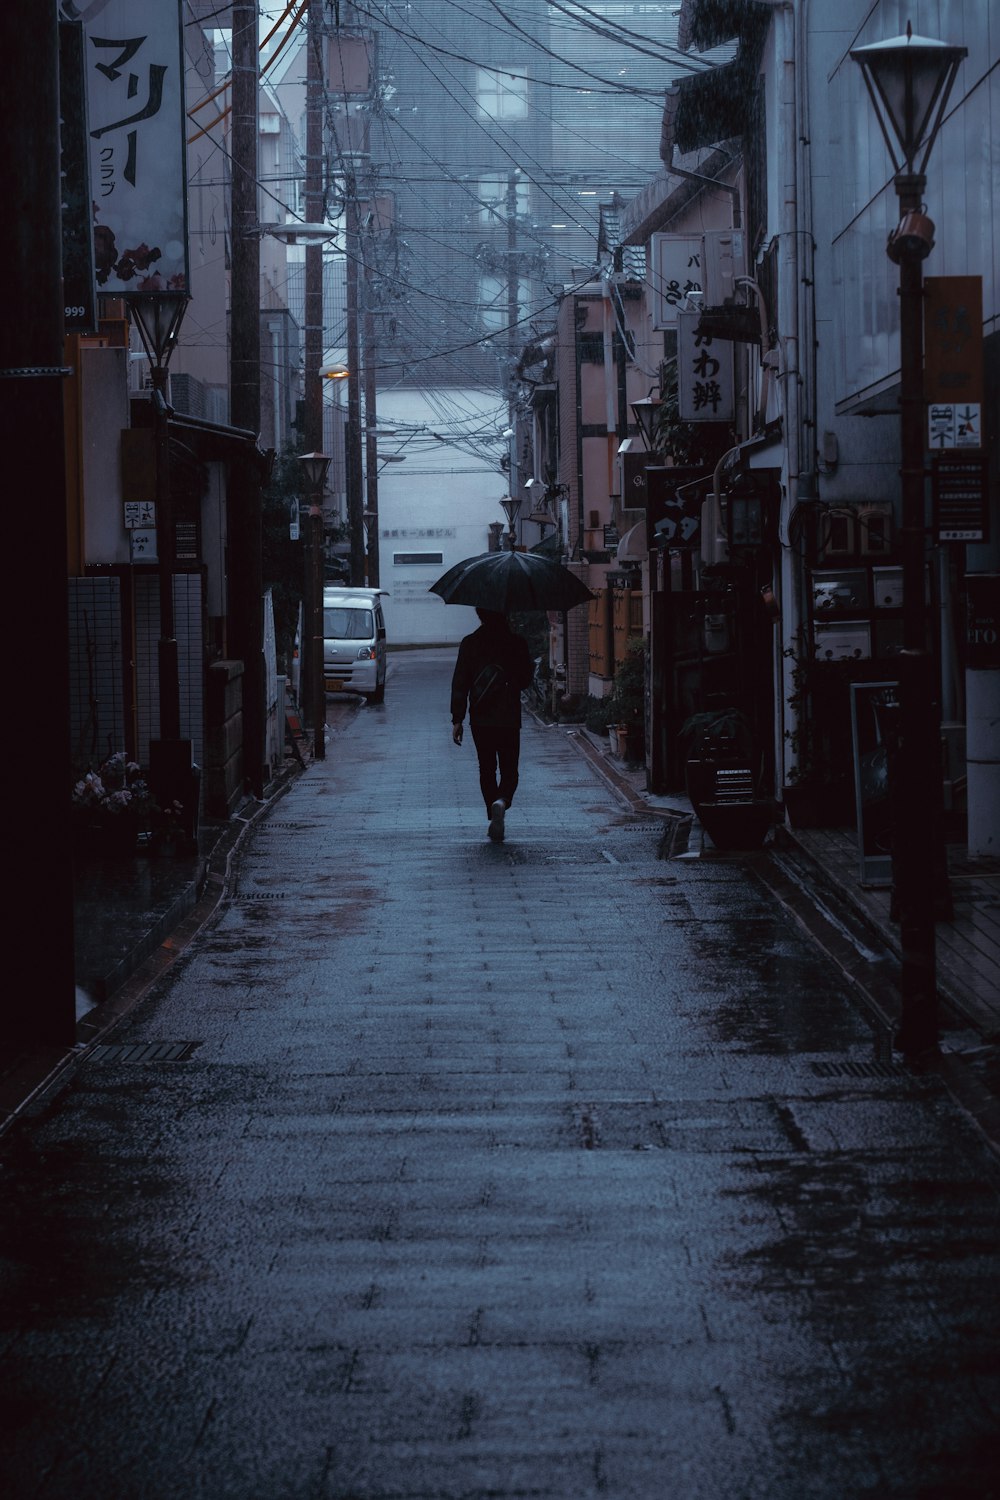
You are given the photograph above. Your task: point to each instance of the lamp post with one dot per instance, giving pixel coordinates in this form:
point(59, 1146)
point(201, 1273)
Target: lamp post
point(909, 79)
point(646, 413)
point(314, 469)
point(158, 315)
point(511, 508)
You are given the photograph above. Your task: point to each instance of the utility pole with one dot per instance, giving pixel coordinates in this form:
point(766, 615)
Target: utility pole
point(39, 1010)
point(246, 575)
point(355, 480)
point(513, 282)
point(371, 415)
point(313, 435)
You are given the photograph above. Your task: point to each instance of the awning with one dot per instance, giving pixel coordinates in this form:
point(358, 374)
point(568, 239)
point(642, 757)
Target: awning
point(633, 547)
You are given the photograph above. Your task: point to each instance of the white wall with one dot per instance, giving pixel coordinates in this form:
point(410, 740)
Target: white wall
point(440, 499)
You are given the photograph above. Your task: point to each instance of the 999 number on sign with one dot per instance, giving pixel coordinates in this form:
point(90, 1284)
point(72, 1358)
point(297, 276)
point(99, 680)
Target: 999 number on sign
point(74, 312)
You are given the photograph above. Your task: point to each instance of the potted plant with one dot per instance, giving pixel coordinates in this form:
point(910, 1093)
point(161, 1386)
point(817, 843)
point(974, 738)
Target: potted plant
point(628, 699)
point(723, 774)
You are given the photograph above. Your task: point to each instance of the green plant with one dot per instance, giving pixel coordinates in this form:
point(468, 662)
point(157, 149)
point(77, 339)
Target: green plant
point(628, 694)
point(600, 714)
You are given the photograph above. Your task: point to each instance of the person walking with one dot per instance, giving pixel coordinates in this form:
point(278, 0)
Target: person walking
point(493, 666)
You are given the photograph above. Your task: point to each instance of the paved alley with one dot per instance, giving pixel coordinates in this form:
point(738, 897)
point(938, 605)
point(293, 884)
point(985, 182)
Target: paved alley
point(552, 1168)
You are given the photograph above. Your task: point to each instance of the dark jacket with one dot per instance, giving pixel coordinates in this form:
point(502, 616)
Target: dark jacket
point(493, 697)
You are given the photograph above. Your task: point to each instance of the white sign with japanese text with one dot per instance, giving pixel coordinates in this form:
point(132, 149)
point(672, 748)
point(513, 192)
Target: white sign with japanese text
point(675, 268)
point(705, 386)
point(134, 65)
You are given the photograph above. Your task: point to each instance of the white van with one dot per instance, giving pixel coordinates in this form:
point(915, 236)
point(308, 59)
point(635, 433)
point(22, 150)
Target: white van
point(354, 641)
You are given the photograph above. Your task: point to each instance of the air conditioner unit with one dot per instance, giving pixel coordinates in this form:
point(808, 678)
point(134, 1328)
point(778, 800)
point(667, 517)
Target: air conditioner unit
point(723, 262)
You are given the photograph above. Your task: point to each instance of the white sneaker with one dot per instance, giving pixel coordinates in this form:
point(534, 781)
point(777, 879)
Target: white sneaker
point(496, 820)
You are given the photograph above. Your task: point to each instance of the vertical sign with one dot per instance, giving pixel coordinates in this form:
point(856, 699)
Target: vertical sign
point(134, 61)
point(705, 386)
point(79, 296)
point(676, 271)
point(953, 361)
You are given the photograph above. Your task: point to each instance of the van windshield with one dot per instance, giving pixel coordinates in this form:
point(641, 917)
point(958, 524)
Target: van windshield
point(348, 624)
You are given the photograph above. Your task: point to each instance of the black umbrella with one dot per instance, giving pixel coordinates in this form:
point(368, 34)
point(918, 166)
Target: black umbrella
point(510, 582)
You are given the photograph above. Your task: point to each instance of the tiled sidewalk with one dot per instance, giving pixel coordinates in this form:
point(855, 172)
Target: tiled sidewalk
point(968, 946)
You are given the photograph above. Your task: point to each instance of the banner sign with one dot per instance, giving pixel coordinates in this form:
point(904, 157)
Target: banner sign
point(675, 266)
point(953, 361)
point(134, 60)
point(79, 295)
point(675, 501)
point(705, 385)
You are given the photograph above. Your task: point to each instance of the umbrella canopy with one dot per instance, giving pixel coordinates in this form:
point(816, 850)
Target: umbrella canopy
point(510, 582)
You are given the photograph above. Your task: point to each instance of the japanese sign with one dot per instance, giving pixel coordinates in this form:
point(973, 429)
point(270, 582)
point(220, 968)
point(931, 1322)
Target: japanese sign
point(676, 271)
point(704, 373)
point(958, 490)
point(142, 546)
point(134, 61)
point(953, 338)
point(675, 501)
point(80, 300)
point(953, 361)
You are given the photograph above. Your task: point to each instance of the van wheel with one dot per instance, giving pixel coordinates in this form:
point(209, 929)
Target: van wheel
point(379, 694)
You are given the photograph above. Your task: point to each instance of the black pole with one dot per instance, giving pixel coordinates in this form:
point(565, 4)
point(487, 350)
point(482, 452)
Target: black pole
point(355, 475)
point(371, 419)
point(316, 541)
point(246, 572)
point(917, 761)
point(166, 649)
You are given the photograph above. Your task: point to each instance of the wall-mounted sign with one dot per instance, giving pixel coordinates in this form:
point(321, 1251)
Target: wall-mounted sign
point(675, 499)
point(79, 293)
point(134, 61)
point(982, 634)
point(705, 386)
point(675, 270)
point(954, 426)
point(959, 496)
point(140, 515)
point(953, 339)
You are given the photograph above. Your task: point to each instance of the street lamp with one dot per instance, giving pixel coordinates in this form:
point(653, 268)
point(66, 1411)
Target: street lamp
point(909, 79)
point(314, 471)
point(511, 508)
point(157, 315)
point(647, 412)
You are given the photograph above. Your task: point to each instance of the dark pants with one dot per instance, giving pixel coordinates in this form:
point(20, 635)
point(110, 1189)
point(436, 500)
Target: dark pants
point(497, 749)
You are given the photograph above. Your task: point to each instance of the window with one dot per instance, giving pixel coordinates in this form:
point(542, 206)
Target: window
point(493, 195)
point(348, 624)
point(501, 95)
point(408, 559)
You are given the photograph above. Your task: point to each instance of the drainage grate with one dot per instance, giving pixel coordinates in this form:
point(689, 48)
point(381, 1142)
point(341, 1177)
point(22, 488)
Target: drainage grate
point(260, 896)
point(859, 1070)
point(141, 1052)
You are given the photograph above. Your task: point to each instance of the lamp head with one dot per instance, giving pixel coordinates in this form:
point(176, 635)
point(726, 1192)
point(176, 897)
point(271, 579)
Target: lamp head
point(912, 239)
point(909, 79)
